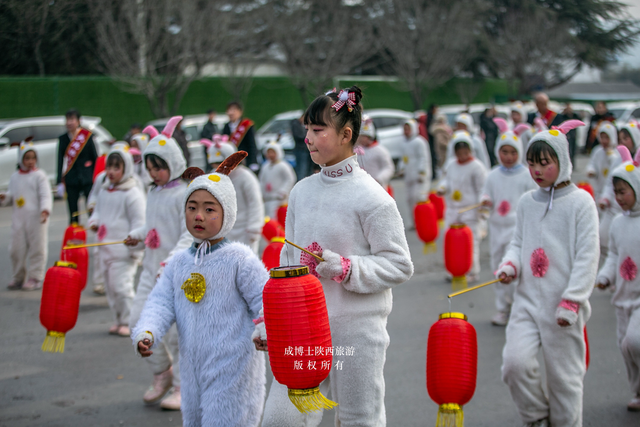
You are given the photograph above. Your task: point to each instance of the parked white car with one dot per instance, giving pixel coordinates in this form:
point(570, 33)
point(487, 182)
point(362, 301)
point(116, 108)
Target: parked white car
point(45, 132)
point(278, 128)
point(192, 127)
point(624, 111)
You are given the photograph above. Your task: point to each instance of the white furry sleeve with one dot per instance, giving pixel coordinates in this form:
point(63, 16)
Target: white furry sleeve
point(607, 273)
point(44, 193)
point(514, 251)
point(250, 279)
point(390, 261)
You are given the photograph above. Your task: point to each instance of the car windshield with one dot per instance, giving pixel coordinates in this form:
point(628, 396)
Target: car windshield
point(617, 112)
point(191, 133)
point(279, 127)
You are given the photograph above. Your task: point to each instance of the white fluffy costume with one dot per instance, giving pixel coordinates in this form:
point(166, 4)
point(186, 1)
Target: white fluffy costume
point(92, 200)
point(478, 145)
point(621, 271)
point(30, 194)
point(416, 163)
point(223, 376)
point(375, 159)
point(503, 188)
point(163, 233)
point(119, 210)
point(250, 216)
point(140, 168)
point(554, 252)
point(276, 180)
point(364, 258)
point(462, 186)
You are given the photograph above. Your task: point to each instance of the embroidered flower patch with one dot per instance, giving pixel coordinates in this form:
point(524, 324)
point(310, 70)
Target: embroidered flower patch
point(539, 263)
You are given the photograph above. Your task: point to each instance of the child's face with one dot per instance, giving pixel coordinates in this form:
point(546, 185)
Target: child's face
point(365, 141)
point(544, 173)
point(463, 154)
point(516, 117)
point(29, 160)
point(114, 173)
point(625, 139)
point(461, 126)
point(604, 140)
point(203, 215)
point(407, 131)
point(271, 155)
point(159, 176)
point(508, 156)
point(625, 195)
point(327, 146)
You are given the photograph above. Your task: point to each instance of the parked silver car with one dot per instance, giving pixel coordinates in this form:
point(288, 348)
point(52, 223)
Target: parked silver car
point(45, 132)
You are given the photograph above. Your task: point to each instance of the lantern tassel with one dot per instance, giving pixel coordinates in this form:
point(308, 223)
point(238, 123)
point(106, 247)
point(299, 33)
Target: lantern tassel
point(53, 342)
point(459, 283)
point(430, 248)
point(441, 223)
point(450, 415)
point(310, 400)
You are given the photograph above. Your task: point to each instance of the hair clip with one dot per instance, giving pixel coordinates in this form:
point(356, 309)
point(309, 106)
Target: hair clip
point(345, 98)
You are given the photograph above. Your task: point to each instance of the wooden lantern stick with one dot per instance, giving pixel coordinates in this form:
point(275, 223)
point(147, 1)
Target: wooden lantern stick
point(455, 294)
point(305, 251)
point(469, 208)
point(91, 245)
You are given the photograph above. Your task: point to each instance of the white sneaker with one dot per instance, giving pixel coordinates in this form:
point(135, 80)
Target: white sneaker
point(32, 285)
point(634, 404)
point(172, 402)
point(99, 289)
point(500, 319)
point(161, 385)
point(471, 278)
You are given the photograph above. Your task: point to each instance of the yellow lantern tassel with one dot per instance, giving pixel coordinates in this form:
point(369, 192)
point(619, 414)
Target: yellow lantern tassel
point(459, 283)
point(53, 342)
point(441, 223)
point(430, 248)
point(450, 415)
point(310, 400)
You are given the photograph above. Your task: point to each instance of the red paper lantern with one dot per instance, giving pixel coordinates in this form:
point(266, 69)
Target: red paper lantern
point(75, 233)
point(59, 304)
point(439, 204)
point(297, 323)
point(587, 187)
point(390, 190)
point(452, 366)
point(458, 253)
point(271, 229)
point(79, 257)
point(426, 221)
point(271, 254)
point(282, 214)
point(99, 166)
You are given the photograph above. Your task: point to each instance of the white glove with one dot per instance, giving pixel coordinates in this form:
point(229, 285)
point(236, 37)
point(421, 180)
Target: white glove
point(332, 266)
point(260, 330)
point(60, 190)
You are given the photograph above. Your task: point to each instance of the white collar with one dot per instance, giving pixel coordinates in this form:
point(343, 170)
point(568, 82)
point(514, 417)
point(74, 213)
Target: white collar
point(340, 171)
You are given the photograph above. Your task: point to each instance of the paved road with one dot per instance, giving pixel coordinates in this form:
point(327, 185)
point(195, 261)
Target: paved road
point(99, 382)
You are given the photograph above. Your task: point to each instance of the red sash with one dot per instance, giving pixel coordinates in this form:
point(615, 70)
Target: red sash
point(74, 148)
point(241, 131)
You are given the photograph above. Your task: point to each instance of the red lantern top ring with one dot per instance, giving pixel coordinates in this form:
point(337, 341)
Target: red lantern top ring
point(65, 264)
point(451, 315)
point(292, 271)
point(458, 225)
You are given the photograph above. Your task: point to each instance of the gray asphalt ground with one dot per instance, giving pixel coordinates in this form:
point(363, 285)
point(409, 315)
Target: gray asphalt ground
point(98, 381)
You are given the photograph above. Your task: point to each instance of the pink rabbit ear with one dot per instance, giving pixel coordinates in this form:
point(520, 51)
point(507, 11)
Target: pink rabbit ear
point(206, 142)
point(171, 126)
point(134, 152)
point(151, 131)
point(539, 124)
point(569, 125)
point(520, 129)
point(636, 158)
point(624, 153)
point(217, 138)
point(501, 123)
point(224, 138)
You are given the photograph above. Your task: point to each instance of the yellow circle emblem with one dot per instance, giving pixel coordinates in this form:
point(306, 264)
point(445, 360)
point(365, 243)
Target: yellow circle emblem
point(20, 202)
point(405, 159)
point(605, 172)
point(632, 125)
point(629, 168)
point(457, 195)
point(504, 137)
point(218, 154)
point(515, 138)
point(554, 132)
point(214, 178)
point(162, 143)
point(194, 287)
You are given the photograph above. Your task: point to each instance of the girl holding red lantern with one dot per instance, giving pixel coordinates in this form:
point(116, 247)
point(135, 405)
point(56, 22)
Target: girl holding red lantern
point(554, 252)
point(505, 185)
point(163, 234)
point(462, 185)
point(30, 194)
point(212, 291)
point(364, 257)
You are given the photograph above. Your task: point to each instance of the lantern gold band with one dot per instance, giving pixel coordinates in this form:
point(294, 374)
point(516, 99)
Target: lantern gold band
point(278, 239)
point(66, 264)
point(294, 271)
point(449, 407)
point(458, 225)
point(452, 315)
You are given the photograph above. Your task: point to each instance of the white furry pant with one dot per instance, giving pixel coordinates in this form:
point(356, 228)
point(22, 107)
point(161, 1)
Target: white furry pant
point(356, 384)
point(629, 344)
point(504, 293)
point(416, 192)
point(118, 282)
point(29, 249)
point(564, 355)
point(166, 353)
point(606, 217)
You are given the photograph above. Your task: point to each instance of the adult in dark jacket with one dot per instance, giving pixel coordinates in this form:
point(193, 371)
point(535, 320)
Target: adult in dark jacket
point(490, 130)
point(77, 156)
point(569, 114)
point(431, 114)
point(209, 129)
point(241, 133)
point(601, 115)
point(303, 158)
point(549, 117)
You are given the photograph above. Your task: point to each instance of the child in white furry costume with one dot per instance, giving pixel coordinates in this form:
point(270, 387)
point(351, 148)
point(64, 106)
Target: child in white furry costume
point(277, 178)
point(554, 252)
point(345, 216)
point(212, 291)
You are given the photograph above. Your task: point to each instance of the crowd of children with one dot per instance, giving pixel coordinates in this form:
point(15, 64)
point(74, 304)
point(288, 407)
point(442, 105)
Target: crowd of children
point(196, 312)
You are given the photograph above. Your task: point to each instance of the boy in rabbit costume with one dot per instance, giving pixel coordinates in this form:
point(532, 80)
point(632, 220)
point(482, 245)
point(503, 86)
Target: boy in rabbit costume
point(505, 185)
point(164, 233)
point(277, 178)
point(604, 158)
point(464, 122)
point(141, 141)
point(620, 270)
point(373, 157)
point(554, 253)
point(212, 291)
point(250, 217)
point(30, 194)
point(416, 163)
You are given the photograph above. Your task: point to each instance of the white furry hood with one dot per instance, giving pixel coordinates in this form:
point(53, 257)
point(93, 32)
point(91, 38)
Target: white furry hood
point(275, 146)
point(610, 130)
point(164, 146)
point(634, 132)
point(122, 148)
point(462, 136)
point(465, 119)
point(414, 128)
point(25, 147)
point(629, 171)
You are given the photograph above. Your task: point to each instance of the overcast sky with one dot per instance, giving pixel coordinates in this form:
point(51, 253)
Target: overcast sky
point(633, 56)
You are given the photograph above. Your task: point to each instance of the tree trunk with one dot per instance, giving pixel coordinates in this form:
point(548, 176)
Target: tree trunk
point(41, 32)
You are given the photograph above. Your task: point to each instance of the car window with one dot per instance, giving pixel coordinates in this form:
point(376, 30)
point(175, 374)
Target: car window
point(48, 132)
point(191, 133)
point(279, 127)
point(617, 112)
point(18, 134)
point(387, 122)
point(636, 113)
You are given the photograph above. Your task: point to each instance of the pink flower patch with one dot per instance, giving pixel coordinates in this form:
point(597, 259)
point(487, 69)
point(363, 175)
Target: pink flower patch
point(268, 187)
point(152, 241)
point(628, 269)
point(504, 208)
point(308, 260)
point(539, 263)
point(102, 232)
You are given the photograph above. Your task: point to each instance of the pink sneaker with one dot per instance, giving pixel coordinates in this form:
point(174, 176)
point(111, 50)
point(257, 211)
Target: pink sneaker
point(172, 402)
point(113, 330)
point(15, 285)
point(161, 385)
point(124, 331)
point(32, 285)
